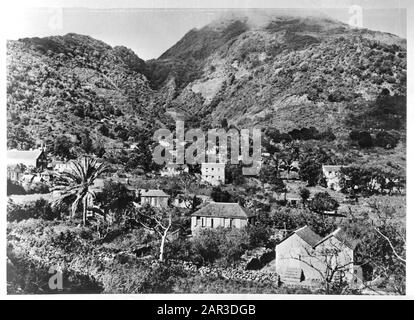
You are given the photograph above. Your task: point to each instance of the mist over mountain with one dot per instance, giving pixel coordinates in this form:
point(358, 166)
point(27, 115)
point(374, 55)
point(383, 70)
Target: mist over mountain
point(284, 71)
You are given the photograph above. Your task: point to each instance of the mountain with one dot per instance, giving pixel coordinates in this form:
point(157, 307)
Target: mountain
point(279, 70)
point(72, 85)
point(283, 71)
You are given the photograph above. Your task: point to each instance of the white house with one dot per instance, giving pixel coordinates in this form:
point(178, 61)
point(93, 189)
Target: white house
point(221, 214)
point(332, 176)
point(213, 173)
point(30, 158)
point(306, 257)
point(15, 172)
point(156, 198)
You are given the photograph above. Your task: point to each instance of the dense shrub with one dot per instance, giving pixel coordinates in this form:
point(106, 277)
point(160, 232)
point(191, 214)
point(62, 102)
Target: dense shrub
point(369, 181)
point(386, 139)
point(39, 209)
point(322, 202)
point(39, 187)
point(218, 194)
point(26, 277)
point(14, 188)
point(209, 284)
point(365, 140)
point(226, 245)
point(310, 171)
point(145, 277)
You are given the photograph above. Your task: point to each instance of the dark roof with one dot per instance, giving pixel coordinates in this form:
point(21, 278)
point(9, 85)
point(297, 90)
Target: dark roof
point(153, 193)
point(307, 235)
point(341, 236)
point(224, 210)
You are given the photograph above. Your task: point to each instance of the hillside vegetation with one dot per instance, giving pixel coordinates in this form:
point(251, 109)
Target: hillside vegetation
point(285, 72)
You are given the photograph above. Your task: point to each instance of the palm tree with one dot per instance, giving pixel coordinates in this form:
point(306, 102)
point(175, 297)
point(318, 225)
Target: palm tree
point(76, 183)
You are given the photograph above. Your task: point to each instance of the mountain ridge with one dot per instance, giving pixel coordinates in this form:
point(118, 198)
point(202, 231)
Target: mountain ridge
point(288, 73)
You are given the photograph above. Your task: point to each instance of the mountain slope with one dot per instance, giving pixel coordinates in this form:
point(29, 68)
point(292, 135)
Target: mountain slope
point(285, 71)
point(72, 84)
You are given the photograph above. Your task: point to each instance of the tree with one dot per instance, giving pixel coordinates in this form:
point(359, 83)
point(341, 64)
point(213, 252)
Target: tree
point(86, 143)
point(63, 147)
point(224, 124)
point(279, 186)
point(304, 193)
point(310, 171)
point(269, 173)
point(386, 140)
point(220, 195)
point(331, 260)
point(14, 188)
point(382, 245)
point(322, 202)
point(104, 130)
point(234, 174)
point(39, 209)
point(365, 140)
point(76, 183)
point(224, 245)
point(158, 220)
point(115, 198)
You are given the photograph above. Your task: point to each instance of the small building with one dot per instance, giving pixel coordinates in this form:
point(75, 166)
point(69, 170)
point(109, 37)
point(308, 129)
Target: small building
point(213, 173)
point(222, 214)
point(60, 166)
point(30, 158)
point(15, 172)
point(156, 198)
point(332, 176)
point(306, 257)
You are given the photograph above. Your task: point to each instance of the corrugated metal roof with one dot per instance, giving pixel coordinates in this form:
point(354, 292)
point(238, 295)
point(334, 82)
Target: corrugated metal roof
point(22, 156)
point(341, 236)
point(307, 235)
point(224, 210)
point(332, 167)
point(153, 193)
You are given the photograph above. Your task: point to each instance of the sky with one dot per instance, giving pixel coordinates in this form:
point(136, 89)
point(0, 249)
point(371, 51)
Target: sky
point(150, 32)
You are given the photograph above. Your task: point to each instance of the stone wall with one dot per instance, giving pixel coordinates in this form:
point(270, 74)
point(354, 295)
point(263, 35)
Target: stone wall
point(230, 273)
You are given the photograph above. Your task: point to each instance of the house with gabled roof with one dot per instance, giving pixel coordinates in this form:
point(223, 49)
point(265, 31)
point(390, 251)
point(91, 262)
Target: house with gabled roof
point(306, 257)
point(154, 197)
point(222, 214)
point(30, 158)
point(332, 175)
point(15, 172)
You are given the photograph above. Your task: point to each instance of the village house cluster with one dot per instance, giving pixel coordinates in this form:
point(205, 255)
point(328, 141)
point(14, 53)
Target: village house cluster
point(302, 256)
